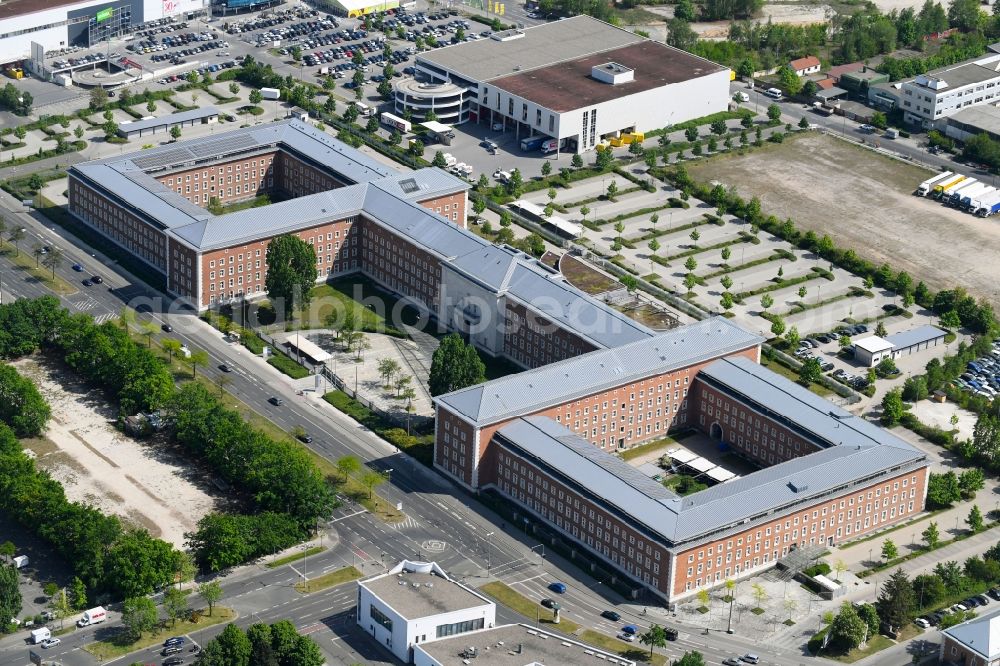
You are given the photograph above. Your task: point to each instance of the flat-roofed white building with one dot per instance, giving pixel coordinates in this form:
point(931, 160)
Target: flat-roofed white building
point(416, 603)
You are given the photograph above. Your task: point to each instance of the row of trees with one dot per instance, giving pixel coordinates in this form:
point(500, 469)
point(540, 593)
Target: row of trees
point(277, 644)
point(103, 553)
point(277, 477)
point(16, 101)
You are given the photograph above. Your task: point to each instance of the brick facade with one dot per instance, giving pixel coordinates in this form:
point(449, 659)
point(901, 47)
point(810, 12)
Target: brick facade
point(400, 266)
point(647, 558)
point(957, 653)
point(227, 181)
point(533, 340)
point(113, 220)
point(750, 432)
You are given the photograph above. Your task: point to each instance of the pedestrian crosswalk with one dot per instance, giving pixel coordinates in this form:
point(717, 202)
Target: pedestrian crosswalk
point(108, 316)
point(87, 303)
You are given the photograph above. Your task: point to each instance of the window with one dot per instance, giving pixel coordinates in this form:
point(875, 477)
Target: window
point(381, 618)
point(459, 627)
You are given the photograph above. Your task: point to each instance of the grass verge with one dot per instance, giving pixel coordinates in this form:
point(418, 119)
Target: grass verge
point(288, 366)
point(420, 447)
point(633, 652)
point(516, 601)
point(646, 449)
point(26, 264)
point(118, 646)
point(876, 644)
point(788, 373)
point(295, 557)
point(328, 580)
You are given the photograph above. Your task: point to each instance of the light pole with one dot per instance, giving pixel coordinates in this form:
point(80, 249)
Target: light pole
point(489, 552)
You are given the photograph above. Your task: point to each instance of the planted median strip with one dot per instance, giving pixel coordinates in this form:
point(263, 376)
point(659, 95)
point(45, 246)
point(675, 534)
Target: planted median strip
point(328, 580)
point(295, 557)
point(119, 644)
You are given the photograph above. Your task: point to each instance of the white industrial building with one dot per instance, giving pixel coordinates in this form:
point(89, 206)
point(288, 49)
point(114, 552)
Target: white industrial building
point(577, 80)
point(57, 24)
point(930, 98)
point(871, 350)
point(416, 603)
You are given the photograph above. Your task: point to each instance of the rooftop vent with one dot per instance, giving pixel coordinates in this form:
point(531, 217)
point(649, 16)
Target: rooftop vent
point(612, 73)
point(507, 35)
point(798, 487)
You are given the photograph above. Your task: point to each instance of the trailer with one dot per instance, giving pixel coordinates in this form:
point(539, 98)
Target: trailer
point(924, 188)
point(270, 93)
point(951, 183)
point(395, 121)
point(973, 202)
point(967, 185)
point(947, 186)
point(531, 143)
point(989, 206)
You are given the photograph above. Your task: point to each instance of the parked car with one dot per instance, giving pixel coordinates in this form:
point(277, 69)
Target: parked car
point(923, 623)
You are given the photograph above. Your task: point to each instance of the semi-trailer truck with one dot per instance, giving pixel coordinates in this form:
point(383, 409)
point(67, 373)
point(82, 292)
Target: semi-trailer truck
point(270, 93)
point(989, 206)
point(967, 185)
point(924, 188)
point(532, 143)
point(972, 203)
point(947, 184)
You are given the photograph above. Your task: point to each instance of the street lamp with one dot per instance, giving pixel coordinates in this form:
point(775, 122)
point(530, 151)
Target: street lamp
point(489, 552)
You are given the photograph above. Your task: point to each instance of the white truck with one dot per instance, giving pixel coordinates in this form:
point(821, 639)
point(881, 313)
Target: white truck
point(270, 93)
point(973, 202)
point(93, 616)
point(924, 188)
point(967, 185)
point(39, 635)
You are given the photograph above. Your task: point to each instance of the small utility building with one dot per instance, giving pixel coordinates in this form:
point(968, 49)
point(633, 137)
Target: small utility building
point(871, 350)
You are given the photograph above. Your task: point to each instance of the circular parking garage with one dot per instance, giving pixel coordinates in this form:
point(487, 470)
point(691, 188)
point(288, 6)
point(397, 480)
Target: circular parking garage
point(449, 102)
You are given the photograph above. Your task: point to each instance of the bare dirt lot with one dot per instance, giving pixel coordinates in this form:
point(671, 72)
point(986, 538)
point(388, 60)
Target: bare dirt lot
point(144, 482)
point(865, 201)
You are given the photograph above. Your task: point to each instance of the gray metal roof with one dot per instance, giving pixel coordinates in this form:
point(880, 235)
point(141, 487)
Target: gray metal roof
point(984, 117)
point(965, 73)
point(416, 595)
point(541, 45)
point(915, 336)
point(169, 119)
point(533, 390)
point(408, 185)
point(981, 635)
point(729, 506)
point(816, 418)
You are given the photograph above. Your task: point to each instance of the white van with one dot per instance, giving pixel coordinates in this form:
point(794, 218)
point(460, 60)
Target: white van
point(741, 97)
point(773, 92)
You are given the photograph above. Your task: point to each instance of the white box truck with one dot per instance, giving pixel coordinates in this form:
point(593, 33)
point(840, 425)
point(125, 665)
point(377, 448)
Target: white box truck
point(39, 635)
point(924, 188)
point(93, 616)
point(270, 93)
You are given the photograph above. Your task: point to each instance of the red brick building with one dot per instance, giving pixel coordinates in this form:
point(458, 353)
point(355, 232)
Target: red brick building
point(545, 440)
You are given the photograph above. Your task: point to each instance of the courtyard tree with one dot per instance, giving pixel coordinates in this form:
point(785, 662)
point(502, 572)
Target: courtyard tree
point(387, 370)
point(291, 272)
point(455, 365)
point(759, 594)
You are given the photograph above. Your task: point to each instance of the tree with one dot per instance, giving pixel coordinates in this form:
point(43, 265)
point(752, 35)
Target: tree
point(971, 481)
point(612, 190)
point(931, 536)
point(766, 301)
point(234, 88)
point(654, 637)
point(694, 236)
point(689, 282)
point(348, 466)
point(718, 127)
point(726, 253)
point(387, 369)
point(78, 594)
point(654, 246)
point(455, 365)
point(691, 658)
point(726, 282)
point(964, 15)
point(892, 407)
point(172, 347)
point(198, 357)
point(759, 593)
point(371, 478)
point(789, 80)
point(950, 573)
point(896, 601)
point(98, 98)
point(975, 519)
point(577, 161)
point(928, 589)
point(685, 10)
point(60, 606)
point(138, 616)
point(943, 490)
point(810, 372)
point(291, 272)
point(110, 129)
point(727, 301)
point(690, 264)
point(680, 35)
point(889, 550)
point(777, 326)
point(848, 629)
point(951, 319)
point(10, 593)
point(175, 132)
point(439, 160)
point(230, 648)
point(255, 97)
point(174, 603)
point(773, 113)
point(402, 382)
point(915, 388)
point(793, 337)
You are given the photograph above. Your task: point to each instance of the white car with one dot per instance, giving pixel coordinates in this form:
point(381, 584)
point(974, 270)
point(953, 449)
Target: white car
point(51, 642)
point(628, 638)
point(497, 127)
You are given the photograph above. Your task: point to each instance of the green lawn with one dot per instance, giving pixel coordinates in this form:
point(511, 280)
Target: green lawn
point(636, 451)
point(420, 446)
point(787, 372)
point(627, 650)
point(118, 646)
point(256, 202)
point(516, 601)
point(336, 577)
point(339, 296)
point(295, 557)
